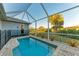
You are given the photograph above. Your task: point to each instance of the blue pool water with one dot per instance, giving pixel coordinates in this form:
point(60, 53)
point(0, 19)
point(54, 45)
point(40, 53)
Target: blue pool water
point(31, 47)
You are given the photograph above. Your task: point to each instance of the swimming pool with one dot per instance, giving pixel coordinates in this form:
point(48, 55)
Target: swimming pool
point(31, 47)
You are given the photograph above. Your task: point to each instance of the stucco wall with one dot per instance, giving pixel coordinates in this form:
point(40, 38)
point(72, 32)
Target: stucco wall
point(10, 25)
point(15, 27)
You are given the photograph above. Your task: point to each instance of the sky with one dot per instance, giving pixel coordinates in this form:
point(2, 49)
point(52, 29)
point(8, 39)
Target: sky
point(71, 18)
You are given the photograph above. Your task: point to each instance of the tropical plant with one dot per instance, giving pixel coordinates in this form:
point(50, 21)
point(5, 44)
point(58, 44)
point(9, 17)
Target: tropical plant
point(56, 21)
point(73, 42)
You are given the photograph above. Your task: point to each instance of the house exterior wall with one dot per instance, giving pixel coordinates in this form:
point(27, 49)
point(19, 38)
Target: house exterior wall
point(14, 27)
point(11, 26)
point(9, 29)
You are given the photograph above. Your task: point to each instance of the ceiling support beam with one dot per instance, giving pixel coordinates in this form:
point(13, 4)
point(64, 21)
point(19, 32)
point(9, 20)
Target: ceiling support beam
point(35, 22)
point(23, 15)
point(47, 17)
point(58, 12)
point(27, 13)
point(28, 17)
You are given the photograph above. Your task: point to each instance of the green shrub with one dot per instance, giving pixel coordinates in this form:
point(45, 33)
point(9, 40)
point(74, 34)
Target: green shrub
point(72, 42)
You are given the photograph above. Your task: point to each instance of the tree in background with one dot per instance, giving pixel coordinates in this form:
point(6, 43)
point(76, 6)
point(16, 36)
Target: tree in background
point(41, 29)
point(57, 21)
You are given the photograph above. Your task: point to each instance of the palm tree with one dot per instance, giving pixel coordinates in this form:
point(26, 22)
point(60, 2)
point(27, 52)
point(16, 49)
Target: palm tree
point(57, 21)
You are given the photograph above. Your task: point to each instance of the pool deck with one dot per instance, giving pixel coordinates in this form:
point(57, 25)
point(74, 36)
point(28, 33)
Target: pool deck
point(62, 49)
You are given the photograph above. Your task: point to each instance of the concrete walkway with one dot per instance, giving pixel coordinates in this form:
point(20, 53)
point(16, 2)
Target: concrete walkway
point(7, 49)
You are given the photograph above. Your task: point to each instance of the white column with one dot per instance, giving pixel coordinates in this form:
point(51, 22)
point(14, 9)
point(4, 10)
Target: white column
point(35, 28)
point(48, 28)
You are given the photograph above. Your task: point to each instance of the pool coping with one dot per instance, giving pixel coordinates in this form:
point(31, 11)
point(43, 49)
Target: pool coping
point(45, 41)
